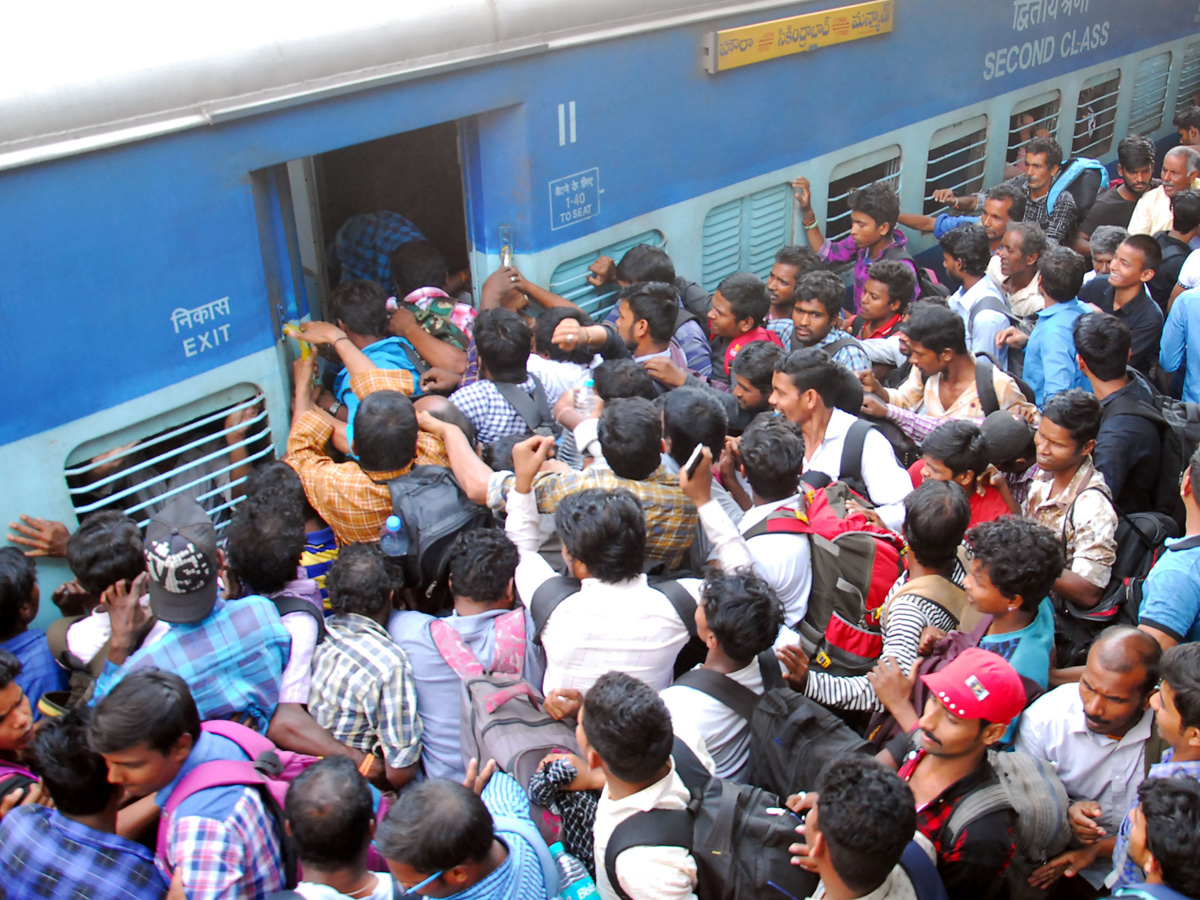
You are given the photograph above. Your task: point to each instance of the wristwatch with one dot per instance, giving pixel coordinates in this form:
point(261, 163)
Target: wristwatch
point(334, 407)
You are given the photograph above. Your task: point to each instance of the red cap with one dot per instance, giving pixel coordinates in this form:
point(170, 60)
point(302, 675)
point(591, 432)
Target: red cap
point(979, 684)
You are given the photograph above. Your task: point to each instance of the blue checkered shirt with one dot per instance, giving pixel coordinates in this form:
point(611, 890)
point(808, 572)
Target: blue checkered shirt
point(232, 661)
point(48, 855)
point(520, 876)
point(492, 415)
point(365, 243)
point(851, 356)
point(1128, 872)
point(39, 672)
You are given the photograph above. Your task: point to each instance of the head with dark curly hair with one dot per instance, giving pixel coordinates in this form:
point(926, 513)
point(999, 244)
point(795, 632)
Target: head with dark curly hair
point(1014, 564)
point(738, 614)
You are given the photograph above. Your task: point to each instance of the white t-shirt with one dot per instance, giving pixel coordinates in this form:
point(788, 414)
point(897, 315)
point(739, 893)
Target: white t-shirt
point(1189, 275)
point(310, 891)
point(782, 559)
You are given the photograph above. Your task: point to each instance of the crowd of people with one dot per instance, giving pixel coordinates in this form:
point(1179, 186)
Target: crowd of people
point(902, 502)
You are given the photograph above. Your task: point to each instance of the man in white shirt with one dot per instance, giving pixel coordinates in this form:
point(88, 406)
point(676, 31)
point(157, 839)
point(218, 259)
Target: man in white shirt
point(966, 253)
point(771, 452)
point(1095, 733)
point(616, 620)
point(803, 389)
point(1180, 169)
point(625, 730)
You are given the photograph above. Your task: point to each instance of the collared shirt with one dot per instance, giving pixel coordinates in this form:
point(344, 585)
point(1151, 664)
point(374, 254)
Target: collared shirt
point(926, 397)
point(1152, 213)
point(782, 559)
point(48, 855)
point(363, 692)
point(492, 415)
point(988, 322)
point(1050, 365)
point(223, 838)
point(1181, 342)
point(353, 502)
point(973, 865)
point(626, 626)
point(1141, 314)
point(851, 356)
point(1090, 535)
point(1171, 594)
point(1128, 452)
point(1059, 224)
point(439, 688)
point(365, 243)
point(645, 873)
point(837, 252)
point(1125, 870)
point(897, 886)
point(302, 627)
point(783, 328)
point(1091, 766)
point(39, 672)
point(1024, 302)
point(691, 337)
point(232, 660)
point(670, 516)
point(885, 479)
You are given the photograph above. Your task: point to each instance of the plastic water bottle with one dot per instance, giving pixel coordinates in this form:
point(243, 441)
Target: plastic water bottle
point(574, 882)
point(585, 396)
point(393, 539)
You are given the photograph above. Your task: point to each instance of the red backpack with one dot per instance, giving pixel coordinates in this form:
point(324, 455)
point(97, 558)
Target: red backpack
point(269, 769)
point(854, 565)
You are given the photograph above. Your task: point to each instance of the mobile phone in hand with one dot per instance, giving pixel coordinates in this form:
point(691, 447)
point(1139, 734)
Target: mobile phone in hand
point(693, 462)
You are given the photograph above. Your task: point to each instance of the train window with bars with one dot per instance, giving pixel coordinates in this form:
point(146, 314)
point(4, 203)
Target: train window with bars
point(880, 165)
point(204, 450)
point(744, 235)
point(1031, 117)
point(956, 158)
point(1096, 115)
point(1189, 79)
point(1150, 94)
point(569, 279)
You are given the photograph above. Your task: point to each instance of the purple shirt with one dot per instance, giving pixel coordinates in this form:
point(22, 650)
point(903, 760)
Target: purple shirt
point(837, 252)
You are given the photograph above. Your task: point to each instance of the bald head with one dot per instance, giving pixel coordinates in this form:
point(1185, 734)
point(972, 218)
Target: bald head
point(1123, 649)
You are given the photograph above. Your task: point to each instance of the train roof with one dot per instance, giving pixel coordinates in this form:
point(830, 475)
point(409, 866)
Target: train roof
point(86, 76)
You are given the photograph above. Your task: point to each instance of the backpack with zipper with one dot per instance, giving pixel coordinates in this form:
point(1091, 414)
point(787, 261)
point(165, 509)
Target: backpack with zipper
point(985, 385)
point(534, 410)
point(854, 565)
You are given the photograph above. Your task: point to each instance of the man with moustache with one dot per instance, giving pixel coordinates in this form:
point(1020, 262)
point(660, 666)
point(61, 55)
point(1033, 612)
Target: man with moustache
point(1001, 205)
point(1180, 169)
point(1095, 734)
point(1135, 165)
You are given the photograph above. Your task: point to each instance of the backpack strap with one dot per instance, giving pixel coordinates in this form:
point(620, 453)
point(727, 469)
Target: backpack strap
point(985, 384)
point(768, 666)
point(1131, 406)
point(653, 828)
point(682, 600)
point(414, 357)
point(980, 802)
point(250, 741)
point(834, 346)
point(288, 603)
point(1187, 543)
point(218, 773)
point(526, 829)
point(454, 650)
point(723, 689)
point(939, 591)
point(988, 302)
point(850, 467)
point(534, 410)
point(1069, 518)
point(549, 594)
point(922, 872)
point(509, 656)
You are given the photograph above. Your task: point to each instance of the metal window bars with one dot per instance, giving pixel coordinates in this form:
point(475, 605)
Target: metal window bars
point(1150, 94)
point(1096, 115)
point(957, 156)
point(194, 459)
point(1189, 79)
point(569, 279)
point(1030, 116)
point(882, 165)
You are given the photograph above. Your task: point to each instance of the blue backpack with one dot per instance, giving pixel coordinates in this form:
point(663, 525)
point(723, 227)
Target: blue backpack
point(1084, 178)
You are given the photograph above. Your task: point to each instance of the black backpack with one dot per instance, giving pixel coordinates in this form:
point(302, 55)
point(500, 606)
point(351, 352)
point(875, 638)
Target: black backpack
point(553, 591)
point(927, 286)
point(985, 384)
point(434, 511)
point(534, 410)
point(289, 603)
point(1140, 538)
point(735, 833)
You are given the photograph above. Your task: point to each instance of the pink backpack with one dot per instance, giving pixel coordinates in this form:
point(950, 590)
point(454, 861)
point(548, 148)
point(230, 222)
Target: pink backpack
point(269, 769)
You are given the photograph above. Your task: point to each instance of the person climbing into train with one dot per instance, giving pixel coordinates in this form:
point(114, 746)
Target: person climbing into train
point(874, 210)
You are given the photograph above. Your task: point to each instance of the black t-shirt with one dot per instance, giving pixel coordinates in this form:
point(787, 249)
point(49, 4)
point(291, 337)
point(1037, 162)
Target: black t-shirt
point(1129, 452)
point(1142, 315)
point(1110, 208)
point(1166, 276)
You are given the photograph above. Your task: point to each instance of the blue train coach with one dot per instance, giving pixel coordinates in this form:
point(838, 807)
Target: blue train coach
point(170, 181)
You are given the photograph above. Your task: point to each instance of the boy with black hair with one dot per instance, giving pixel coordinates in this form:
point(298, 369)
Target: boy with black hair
point(1177, 718)
point(816, 314)
point(1123, 293)
point(956, 452)
point(625, 730)
point(17, 782)
point(363, 691)
point(224, 839)
point(1135, 165)
point(790, 263)
point(854, 835)
point(738, 618)
point(19, 595)
point(1170, 608)
point(1163, 840)
point(646, 322)
point(890, 289)
point(979, 302)
point(771, 454)
point(483, 564)
point(72, 849)
point(1050, 365)
point(1070, 497)
point(752, 372)
point(1129, 446)
point(558, 369)
point(420, 278)
point(330, 814)
point(874, 210)
point(1175, 245)
point(739, 308)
